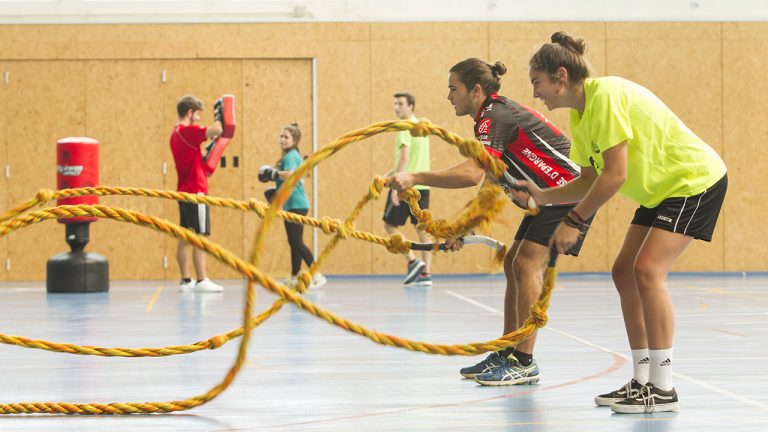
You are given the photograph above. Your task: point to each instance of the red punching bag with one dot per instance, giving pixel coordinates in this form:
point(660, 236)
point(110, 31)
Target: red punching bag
point(77, 165)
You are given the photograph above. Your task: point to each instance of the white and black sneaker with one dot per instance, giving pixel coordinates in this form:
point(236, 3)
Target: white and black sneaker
point(511, 372)
point(630, 389)
point(186, 286)
point(490, 363)
point(650, 399)
point(415, 268)
point(318, 280)
point(207, 285)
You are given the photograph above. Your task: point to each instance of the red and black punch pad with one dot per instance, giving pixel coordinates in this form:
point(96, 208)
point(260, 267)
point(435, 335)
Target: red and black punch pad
point(226, 107)
point(77, 271)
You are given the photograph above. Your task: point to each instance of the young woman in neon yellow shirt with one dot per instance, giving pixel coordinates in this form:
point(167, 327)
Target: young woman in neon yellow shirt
point(627, 140)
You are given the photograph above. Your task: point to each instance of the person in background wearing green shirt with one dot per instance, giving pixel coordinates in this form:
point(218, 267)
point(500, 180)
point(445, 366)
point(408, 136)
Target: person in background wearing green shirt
point(411, 155)
point(627, 140)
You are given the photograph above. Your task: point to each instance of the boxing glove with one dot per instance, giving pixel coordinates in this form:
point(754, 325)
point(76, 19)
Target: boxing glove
point(224, 112)
point(267, 173)
point(218, 111)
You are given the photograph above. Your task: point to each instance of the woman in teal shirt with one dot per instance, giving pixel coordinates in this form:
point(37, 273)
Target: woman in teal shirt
point(297, 203)
point(627, 140)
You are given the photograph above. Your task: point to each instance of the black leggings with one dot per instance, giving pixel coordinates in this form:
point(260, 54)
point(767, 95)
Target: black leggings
point(299, 251)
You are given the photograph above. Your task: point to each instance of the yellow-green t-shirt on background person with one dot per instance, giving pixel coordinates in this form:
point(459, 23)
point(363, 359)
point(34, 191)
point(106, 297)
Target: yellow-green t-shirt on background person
point(665, 159)
point(418, 155)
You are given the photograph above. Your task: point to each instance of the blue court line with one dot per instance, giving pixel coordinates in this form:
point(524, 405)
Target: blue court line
point(564, 274)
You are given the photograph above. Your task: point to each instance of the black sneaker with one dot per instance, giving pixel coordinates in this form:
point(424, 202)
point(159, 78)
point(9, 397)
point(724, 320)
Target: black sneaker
point(414, 270)
point(422, 280)
point(630, 389)
point(490, 363)
point(649, 399)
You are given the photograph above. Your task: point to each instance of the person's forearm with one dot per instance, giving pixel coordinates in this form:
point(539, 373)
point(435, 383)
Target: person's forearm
point(457, 177)
point(402, 164)
point(282, 175)
point(606, 186)
point(573, 191)
point(213, 130)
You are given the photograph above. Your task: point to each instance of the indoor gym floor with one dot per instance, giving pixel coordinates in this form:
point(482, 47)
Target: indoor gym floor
point(304, 374)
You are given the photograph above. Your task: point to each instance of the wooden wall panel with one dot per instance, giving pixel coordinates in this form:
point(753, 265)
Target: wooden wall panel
point(344, 84)
point(208, 80)
point(275, 93)
point(136, 41)
point(514, 44)
point(125, 113)
point(417, 57)
point(360, 65)
point(47, 103)
point(37, 42)
point(157, 41)
point(4, 124)
point(745, 47)
point(659, 57)
point(209, 41)
point(269, 40)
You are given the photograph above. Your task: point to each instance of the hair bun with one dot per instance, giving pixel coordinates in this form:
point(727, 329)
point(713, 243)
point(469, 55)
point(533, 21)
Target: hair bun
point(567, 41)
point(498, 68)
point(295, 124)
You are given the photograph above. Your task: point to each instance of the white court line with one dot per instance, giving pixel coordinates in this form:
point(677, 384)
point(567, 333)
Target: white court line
point(699, 315)
point(30, 289)
point(719, 358)
point(473, 302)
point(614, 315)
point(745, 323)
point(690, 379)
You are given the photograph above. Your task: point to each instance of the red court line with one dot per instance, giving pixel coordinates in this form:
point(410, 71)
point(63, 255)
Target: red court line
point(618, 362)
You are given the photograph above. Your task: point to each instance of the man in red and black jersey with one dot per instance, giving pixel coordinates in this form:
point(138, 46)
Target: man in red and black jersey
point(532, 147)
point(534, 150)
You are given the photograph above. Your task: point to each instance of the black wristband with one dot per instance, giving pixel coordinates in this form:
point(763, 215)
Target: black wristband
point(577, 217)
point(572, 220)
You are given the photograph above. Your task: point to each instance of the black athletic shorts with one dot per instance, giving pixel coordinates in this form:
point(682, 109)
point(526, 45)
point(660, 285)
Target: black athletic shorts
point(694, 216)
point(540, 228)
point(196, 217)
point(397, 215)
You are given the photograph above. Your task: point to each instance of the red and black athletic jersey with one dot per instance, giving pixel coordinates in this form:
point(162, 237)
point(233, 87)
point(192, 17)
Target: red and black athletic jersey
point(532, 147)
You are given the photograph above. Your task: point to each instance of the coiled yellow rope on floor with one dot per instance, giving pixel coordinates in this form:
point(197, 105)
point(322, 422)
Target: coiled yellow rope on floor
point(252, 273)
point(395, 244)
point(480, 211)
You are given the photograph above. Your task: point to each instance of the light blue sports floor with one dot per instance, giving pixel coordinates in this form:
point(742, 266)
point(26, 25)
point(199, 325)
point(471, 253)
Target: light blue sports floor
point(304, 374)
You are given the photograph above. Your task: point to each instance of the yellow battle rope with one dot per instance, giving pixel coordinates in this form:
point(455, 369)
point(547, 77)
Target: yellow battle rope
point(393, 243)
point(478, 212)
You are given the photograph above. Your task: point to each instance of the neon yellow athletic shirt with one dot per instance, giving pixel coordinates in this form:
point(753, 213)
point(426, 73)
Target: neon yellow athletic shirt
point(418, 153)
point(665, 159)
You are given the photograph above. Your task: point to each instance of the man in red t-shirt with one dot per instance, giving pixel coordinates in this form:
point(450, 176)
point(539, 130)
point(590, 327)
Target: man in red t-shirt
point(186, 141)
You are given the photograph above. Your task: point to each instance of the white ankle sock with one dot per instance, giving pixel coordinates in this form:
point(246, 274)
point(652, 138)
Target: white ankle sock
point(661, 368)
point(640, 365)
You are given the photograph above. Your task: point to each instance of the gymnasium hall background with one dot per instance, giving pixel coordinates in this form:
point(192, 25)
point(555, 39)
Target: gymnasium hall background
point(115, 77)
